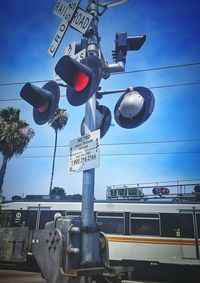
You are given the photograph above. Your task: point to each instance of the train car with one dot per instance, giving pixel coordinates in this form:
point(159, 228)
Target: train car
point(161, 239)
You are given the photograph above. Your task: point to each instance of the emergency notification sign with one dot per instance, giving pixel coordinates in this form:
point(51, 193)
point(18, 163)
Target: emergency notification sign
point(84, 152)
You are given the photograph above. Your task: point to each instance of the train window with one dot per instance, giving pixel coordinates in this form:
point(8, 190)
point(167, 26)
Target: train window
point(170, 224)
point(45, 216)
point(187, 227)
point(112, 223)
point(73, 213)
point(134, 191)
point(108, 214)
point(2, 218)
point(48, 215)
point(144, 215)
point(31, 218)
point(198, 224)
point(144, 224)
point(8, 219)
point(113, 193)
point(122, 192)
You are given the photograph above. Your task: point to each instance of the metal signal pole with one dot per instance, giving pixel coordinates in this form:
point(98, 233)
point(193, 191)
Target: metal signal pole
point(89, 250)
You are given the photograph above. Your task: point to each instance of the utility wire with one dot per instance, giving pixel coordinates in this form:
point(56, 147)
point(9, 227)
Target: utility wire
point(122, 143)
point(157, 69)
point(22, 83)
point(151, 153)
point(119, 73)
point(152, 87)
point(117, 154)
point(175, 85)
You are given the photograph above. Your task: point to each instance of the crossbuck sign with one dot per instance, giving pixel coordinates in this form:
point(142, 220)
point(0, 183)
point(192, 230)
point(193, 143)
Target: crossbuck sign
point(72, 16)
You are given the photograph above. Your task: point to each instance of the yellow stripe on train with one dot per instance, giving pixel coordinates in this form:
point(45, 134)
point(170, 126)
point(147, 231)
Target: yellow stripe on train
point(151, 240)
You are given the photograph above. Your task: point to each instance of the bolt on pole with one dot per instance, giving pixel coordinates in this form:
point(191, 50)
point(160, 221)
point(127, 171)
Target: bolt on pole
point(88, 248)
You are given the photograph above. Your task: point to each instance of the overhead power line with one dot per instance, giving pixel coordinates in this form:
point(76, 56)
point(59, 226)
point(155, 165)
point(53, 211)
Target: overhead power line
point(119, 73)
point(151, 87)
point(117, 154)
point(175, 85)
point(122, 143)
point(151, 153)
point(22, 83)
point(150, 142)
point(158, 68)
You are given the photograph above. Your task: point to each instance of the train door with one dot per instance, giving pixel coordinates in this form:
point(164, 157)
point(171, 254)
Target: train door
point(190, 233)
point(33, 217)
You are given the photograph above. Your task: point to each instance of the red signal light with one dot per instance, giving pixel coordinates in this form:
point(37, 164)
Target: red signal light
point(81, 81)
point(164, 191)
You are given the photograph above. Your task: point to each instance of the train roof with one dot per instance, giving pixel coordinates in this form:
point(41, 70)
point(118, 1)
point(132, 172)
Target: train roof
point(193, 197)
point(117, 201)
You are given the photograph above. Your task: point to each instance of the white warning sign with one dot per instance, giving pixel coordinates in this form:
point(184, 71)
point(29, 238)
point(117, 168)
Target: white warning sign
point(84, 152)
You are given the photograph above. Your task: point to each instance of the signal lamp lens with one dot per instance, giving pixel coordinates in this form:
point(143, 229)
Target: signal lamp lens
point(81, 81)
point(155, 191)
point(44, 107)
point(163, 190)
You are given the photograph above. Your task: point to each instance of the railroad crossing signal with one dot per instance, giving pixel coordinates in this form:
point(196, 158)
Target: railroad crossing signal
point(44, 100)
point(82, 78)
point(160, 191)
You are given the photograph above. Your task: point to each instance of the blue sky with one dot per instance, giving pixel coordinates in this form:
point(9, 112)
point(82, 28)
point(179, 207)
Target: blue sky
point(172, 28)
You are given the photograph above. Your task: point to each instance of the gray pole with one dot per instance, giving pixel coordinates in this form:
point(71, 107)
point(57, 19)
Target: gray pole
point(88, 239)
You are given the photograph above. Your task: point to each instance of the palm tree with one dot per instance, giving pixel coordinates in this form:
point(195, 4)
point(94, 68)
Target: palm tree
point(15, 135)
point(57, 122)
